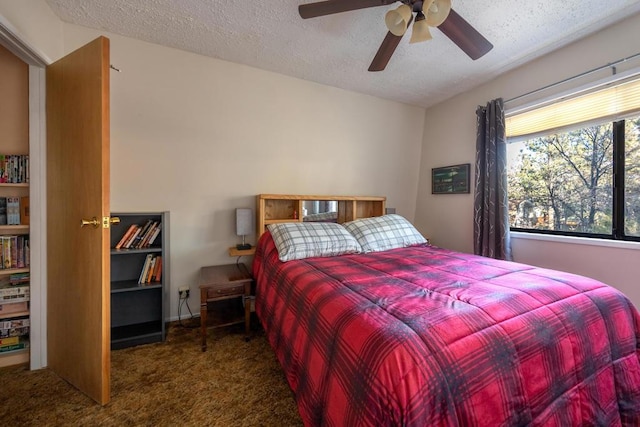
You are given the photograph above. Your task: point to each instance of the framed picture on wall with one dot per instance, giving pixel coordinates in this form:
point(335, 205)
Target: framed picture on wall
point(450, 179)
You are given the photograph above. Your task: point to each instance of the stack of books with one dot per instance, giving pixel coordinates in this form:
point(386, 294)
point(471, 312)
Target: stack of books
point(14, 251)
point(14, 210)
point(14, 304)
point(151, 270)
point(14, 334)
point(11, 308)
point(14, 168)
point(140, 236)
point(10, 293)
point(13, 343)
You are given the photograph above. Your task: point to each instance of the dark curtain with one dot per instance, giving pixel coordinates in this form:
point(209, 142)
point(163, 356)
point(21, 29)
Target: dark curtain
point(490, 208)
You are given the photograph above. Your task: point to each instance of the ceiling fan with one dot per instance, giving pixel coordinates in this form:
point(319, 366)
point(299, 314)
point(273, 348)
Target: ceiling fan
point(429, 13)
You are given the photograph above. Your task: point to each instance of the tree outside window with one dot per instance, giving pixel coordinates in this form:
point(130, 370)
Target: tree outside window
point(563, 182)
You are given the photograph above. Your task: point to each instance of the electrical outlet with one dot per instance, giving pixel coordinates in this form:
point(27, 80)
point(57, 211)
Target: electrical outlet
point(183, 292)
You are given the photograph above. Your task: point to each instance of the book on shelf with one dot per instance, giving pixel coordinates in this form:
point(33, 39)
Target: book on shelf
point(15, 322)
point(3, 211)
point(25, 251)
point(16, 331)
point(126, 236)
point(11, 294)
point(147, 234)
point(13, 347)
point(150, 270)
point(13, 210)
point(9, 340)
point(145, 242)
point(131, 238)
point(136, 244)
point(24, 210)
point(13, 245)
point(157, 270)
point(145, 268)
point(18, 278)
point(6, 252)
point(13, 307)
point(9, 327)
point(155, 233)
point(18, 252)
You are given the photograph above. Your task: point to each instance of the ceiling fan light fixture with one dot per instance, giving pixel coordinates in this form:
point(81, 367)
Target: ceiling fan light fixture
point(397, 20)
point(420, 32)
point(437, 11)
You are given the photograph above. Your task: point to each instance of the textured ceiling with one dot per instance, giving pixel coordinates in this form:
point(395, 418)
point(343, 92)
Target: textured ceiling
point(336, 50)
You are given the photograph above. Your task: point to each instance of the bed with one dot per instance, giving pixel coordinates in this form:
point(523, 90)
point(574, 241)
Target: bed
point(424, 336)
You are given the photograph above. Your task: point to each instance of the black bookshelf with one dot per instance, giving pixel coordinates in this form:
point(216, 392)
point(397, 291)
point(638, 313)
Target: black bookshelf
point(138, 310)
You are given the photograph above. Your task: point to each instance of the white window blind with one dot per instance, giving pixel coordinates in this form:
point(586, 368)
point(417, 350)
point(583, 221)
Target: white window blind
point(611, 103)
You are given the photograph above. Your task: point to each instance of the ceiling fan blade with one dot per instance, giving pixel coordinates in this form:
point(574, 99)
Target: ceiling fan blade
point(386, 49)
point(388, 46)
point(330, 7)
point(465, 36)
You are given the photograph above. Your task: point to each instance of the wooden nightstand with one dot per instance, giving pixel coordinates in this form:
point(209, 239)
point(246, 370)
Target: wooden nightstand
point(223, 282)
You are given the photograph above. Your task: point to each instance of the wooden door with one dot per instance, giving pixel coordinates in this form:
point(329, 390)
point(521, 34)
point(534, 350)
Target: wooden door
point(78, 264)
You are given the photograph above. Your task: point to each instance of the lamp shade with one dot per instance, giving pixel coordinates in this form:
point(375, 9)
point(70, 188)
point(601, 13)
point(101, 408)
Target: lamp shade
point(437, 11)
point(420, 32)
point(244, 221)
point(397, 20)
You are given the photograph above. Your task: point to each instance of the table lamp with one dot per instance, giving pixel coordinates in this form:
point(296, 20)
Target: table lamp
point(244, 226)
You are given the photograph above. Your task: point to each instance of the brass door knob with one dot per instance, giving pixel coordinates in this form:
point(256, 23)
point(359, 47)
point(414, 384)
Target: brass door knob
point(106, 222)
point(93, 221)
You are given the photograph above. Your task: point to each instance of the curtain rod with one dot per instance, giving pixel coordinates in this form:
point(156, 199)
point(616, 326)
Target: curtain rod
point(602, 67)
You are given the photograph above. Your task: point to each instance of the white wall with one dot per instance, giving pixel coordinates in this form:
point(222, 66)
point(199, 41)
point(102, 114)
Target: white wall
point(200, 137)
point(449, 138)
point(39, 27)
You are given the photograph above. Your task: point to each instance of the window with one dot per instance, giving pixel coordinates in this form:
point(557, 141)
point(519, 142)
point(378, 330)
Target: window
point(573, 175)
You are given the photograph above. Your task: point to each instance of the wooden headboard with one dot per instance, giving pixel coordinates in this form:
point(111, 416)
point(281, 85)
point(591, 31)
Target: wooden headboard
point(276, 208)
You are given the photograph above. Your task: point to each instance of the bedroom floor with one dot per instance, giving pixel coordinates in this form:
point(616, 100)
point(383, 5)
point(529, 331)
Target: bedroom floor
point(171, 383)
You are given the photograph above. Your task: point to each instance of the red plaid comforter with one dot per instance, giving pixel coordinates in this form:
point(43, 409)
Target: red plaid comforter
point(424, 336)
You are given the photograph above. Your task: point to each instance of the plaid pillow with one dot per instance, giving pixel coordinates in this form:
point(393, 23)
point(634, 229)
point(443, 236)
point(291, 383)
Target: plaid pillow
point(384, 232)
point(299, 240)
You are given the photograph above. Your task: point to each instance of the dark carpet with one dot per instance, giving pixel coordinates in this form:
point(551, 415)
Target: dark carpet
point(233, 383)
